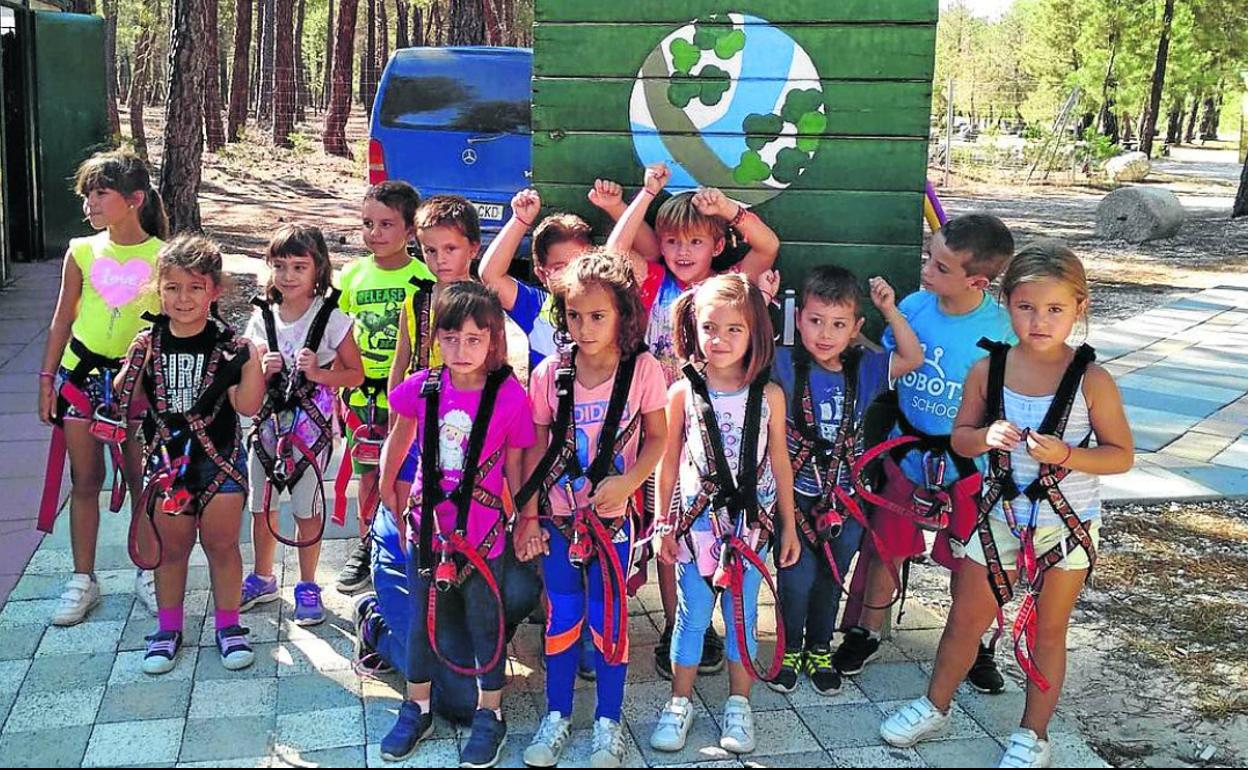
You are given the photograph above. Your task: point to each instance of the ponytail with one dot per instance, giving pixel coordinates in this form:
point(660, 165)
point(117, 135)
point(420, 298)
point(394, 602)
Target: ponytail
point(152, 216)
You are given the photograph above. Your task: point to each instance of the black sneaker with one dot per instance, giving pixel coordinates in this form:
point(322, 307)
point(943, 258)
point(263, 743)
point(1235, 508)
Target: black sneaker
point(823, 675)
point(663, 654)
point(856, 651)
point(485, 745)
point(367, 660)
point(712, 653)
point(984, 675)
point(357, 573)
point(786, 681)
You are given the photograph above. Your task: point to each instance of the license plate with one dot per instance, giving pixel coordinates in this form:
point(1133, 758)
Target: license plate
point(490, 211)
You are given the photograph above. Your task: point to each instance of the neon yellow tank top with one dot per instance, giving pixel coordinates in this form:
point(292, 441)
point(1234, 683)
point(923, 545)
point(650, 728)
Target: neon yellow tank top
point(118, 287)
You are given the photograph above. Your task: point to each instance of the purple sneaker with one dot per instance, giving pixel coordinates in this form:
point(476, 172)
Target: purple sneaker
point(308, 609)
point(259, 590)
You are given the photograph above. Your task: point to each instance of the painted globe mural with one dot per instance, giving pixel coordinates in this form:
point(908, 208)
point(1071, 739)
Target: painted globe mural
point(729, 101)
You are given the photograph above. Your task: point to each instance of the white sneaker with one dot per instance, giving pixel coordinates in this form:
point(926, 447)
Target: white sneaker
point(738, 733)
point(912, 723)
point(673, 728)
point(1027, 750)
point(608, 744)
point(547, 746)
point(82, 592)
point(145, 589)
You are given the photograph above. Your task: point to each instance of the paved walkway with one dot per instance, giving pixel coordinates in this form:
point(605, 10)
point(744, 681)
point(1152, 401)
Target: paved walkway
point(71, 697)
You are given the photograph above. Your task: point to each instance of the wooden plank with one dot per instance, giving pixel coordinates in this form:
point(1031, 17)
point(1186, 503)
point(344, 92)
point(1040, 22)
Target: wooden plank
point(839, 52)
point(884, 218)
point(776, 11)
point(855, 108)
point(839, 163)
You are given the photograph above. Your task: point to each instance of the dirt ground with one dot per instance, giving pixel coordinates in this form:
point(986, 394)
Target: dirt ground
point(1159, 662)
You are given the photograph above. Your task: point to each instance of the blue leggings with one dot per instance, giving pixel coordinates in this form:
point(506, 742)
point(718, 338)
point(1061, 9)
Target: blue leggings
point(569, 590)
point(695, 604)
point(809, 593)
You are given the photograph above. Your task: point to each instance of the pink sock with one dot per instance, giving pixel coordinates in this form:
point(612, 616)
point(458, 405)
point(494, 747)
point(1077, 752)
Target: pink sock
point(170, 618)
point(226, 618)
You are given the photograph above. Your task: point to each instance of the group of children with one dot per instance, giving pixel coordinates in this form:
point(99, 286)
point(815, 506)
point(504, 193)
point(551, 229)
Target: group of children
point(659, 418)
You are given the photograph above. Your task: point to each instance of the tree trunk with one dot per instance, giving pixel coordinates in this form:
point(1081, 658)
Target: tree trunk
point(418, 25)
point(184, 120)
point(401, 40)
point(1174, 123)
point(1128, 127)
point(383, 38)
point(1240, 209)
point(489, 19)
point(143, 54)
point(437, 25)
point(1189, 134)
point(335, 137)
point(1149, 129)
point(268, 42)
point(240, 88)
point(284, 86)
point(213, 131)
point(467, 22)
point(257, 56)
point(302, 96)
point(110, 65)
point(327, 86)
point(368, 60)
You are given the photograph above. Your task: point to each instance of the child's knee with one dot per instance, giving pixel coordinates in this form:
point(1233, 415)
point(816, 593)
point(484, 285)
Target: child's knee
point(220, 544)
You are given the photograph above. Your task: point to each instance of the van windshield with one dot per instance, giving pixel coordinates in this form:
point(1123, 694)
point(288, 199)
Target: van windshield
point(474, 95)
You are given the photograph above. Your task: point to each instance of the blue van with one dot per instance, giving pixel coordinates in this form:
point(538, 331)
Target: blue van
point(456, 120)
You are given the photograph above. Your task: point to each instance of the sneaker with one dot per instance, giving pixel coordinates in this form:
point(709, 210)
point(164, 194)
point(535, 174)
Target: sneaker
point(663, 654)
point(485, 744)
point(823, 675)
point(547, 746)
point(308, 609)
point(412, 727)
point(738, 733)
point(786, 680)
point(367, 659)
point(608, 744)
point(145, 590)
point(1026, 749)
point(856, 651)
point(259, 590)
point(673, 728)
point(162, 652)
point(357, 572)
point(984, 675)
point(235, 651)
point(712, 653)
point(912, 723)
point(82, 592)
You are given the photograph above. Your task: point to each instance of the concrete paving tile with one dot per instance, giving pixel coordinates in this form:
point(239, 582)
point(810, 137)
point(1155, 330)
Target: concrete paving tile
point(918, 644)
point(231, 762)
point(844, 726)
point(61, 747)
point(430, 753)
point(12, 672)
point(314, 656)
point(326, 729)
point(892, 681)
point(317, 692)
point(19, 642)
point(27, 613)
point(89, 637)
point(117, 744)
point(157, 699)
point(1070, 750)
point(68, 672)
point(975, 752)
point(876, 756)
point(1143, 483)
point(225, 698)
point(1220, 481)
point(1170, 401)
point(217, 740)
point(1235, 456)
point(353, 756)
point(35, 710)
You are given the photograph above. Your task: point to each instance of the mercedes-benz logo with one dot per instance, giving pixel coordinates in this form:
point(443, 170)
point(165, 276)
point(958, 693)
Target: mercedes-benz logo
point(469, 157)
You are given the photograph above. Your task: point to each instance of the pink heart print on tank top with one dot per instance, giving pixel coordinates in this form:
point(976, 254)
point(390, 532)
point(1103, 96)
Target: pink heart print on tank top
point(119, 284)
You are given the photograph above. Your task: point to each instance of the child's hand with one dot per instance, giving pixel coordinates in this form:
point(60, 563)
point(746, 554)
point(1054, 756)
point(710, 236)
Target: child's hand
point(47, 401)
point(1002, 434)
point(607, 195)
point(769, 285)
point(530, 540)
point(790, 547)
point(657, 177)
point(713, 203)
point(611, 493)
point(882, 295)
point(305, 361)
point(272, 363)
point(669, 550)
point(526, 205)
point(1047, 449)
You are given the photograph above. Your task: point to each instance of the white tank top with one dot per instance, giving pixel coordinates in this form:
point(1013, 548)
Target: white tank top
point(1082, 490)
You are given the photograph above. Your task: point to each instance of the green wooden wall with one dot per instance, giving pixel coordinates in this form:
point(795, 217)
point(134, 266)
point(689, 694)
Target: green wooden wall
point(615, 81)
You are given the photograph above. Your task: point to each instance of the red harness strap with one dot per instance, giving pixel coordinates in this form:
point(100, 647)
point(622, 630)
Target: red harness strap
point(367, 439)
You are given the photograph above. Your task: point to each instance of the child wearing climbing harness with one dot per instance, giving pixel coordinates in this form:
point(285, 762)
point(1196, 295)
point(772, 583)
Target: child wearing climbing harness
point(106, 287)
point(557, 240)
point(726, 451)
point(693, 229)
point(829, 382)
point(197, 377)
point(926, 487)
point(473, 421)
point(1033, 409)
point(593, 404)
point(307, 352)
point(374, 290)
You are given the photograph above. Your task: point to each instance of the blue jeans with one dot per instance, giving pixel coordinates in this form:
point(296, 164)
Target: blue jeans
point(695, 605)
point(809, 594)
